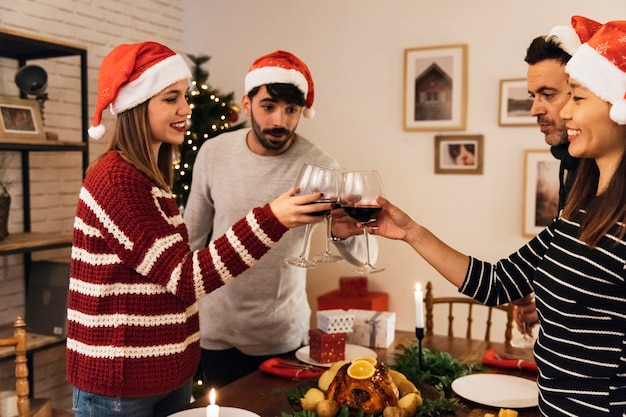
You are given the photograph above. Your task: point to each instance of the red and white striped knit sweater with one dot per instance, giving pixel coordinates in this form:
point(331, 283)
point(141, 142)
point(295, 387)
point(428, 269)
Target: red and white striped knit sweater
point(132, 313)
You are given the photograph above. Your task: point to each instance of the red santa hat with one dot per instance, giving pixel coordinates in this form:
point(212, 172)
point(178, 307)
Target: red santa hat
point(286, 68)
point(600, 66)
point(132, 74)
point(580, 31)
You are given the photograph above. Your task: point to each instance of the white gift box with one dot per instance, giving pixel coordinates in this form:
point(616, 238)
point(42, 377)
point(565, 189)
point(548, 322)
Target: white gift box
point(335, 321)
point(373, 328)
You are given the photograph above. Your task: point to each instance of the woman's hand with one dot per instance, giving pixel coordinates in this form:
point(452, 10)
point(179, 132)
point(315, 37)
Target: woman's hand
point(391, 222)
point(295, 210)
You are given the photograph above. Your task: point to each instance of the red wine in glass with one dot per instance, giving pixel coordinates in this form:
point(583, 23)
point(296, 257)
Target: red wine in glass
point(314, 179)
point(322, 212)
point(357, 196)
point(363, 214)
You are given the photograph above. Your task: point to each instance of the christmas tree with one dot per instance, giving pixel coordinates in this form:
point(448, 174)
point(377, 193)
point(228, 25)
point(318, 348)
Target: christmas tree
point(211, 114)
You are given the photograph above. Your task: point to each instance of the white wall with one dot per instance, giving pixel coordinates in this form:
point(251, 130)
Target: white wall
point(354, 49)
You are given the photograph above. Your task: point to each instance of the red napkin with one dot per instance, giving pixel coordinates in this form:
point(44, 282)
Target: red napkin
point(506, 361)
point(289, 369)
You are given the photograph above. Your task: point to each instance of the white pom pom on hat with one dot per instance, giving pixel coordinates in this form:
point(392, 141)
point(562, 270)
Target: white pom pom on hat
point(600, 66)
point(579, 32)
point(285, 68)
point(132, 74)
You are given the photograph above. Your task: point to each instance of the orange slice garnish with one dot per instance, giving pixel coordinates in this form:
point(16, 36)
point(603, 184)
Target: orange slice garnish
point(361, 370)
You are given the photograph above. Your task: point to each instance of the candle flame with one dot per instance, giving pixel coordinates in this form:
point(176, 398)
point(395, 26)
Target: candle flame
point(212, 396)
point(418, 287)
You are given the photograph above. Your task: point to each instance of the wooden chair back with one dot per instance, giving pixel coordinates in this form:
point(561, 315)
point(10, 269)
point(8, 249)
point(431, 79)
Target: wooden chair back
point(453, 302)
point(18, 341)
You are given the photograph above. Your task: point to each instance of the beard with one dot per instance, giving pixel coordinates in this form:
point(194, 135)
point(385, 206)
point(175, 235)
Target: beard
point(557, 134)
point(271, 145)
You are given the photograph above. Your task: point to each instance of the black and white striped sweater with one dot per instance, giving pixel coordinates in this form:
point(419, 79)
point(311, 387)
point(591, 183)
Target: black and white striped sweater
point(581, 301)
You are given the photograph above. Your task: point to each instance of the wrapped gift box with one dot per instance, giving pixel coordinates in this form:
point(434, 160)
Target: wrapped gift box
point(353, 286)
point(373, 328)
point(326, 347)
point(335, 321)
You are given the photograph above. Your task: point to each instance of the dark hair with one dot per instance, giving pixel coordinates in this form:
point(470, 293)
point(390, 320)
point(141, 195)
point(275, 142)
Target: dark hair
point(288, 93)
point(602, 211)
point(542, 48)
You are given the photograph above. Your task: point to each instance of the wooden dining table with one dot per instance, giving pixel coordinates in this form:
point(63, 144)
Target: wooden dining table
point(261, 392)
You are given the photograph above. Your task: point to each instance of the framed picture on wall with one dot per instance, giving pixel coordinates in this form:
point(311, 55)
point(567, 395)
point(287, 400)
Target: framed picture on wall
point(541, 190)
point(459, 154)
point(20, 119)
point(435, 88)
point(515, 104)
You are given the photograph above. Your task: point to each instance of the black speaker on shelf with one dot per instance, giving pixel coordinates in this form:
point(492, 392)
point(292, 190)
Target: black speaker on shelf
point(46, 300)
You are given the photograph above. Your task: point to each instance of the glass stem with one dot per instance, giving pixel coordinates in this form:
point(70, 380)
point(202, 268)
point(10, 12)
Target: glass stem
point(367, 246)
point(307, 232)
point(328, 233)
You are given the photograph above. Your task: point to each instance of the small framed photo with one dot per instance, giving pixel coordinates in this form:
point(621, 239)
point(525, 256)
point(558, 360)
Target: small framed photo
point(459, 154)
point(515, 104)
point(435, 88)
point(541, 190)
point(20, 119)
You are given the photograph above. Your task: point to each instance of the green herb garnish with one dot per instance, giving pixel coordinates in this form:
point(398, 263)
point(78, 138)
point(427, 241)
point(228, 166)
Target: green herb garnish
point(438, 369)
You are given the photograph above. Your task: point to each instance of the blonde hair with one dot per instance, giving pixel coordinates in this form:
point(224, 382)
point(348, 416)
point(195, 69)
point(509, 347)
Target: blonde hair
point(132, 138)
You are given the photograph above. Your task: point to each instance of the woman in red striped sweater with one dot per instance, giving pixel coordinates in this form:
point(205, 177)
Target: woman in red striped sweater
point(133, 335)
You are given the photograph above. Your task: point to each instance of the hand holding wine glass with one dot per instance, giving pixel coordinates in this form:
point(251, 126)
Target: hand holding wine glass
point(315, 179)
point(357, 196)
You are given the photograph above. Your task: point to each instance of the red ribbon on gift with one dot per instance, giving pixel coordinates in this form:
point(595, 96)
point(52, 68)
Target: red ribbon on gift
point(502, 360)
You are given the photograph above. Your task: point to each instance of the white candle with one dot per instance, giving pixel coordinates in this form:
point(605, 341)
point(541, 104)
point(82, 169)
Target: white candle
point(212, 410)
point(419, 306)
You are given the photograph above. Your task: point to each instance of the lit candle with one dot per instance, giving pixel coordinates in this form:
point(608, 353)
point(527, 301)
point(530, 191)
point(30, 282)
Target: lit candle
point(419, 306)
point(212, 410)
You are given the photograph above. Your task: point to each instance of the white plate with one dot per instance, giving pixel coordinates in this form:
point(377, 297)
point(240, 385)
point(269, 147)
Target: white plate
point(224, 412)
point(352, 352)
point(497, 390)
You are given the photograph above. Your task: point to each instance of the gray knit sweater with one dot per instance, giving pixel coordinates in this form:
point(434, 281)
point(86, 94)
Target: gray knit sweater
point(265, 310)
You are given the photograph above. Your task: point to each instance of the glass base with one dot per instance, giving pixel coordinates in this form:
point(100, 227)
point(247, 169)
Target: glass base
point(301, 262)
point(368, 269)
point(523, 342)
point(328, 258)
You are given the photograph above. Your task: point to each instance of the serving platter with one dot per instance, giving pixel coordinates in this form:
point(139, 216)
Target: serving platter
point(224, 412)
point(497, 390)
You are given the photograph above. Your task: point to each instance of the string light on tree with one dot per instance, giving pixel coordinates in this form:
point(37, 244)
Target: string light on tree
point(213, 113)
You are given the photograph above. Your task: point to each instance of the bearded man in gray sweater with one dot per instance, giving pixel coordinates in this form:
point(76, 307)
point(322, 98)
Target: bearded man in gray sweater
point(265, 312)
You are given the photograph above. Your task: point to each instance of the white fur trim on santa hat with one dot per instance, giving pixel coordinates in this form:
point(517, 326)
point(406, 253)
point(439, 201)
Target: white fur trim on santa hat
point(602, 77)
point(568, 38)
point(153, 80)
point(274, 75)
point(96, 132)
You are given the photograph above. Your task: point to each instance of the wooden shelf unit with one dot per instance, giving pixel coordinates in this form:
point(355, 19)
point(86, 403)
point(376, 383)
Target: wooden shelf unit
point(23, 48)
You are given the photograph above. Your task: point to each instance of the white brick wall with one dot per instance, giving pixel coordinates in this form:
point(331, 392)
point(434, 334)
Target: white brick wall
point(56, 177)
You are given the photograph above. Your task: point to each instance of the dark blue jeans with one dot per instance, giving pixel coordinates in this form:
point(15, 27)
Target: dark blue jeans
point(86, 404)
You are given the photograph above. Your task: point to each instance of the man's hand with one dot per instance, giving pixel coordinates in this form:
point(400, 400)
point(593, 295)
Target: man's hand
point(344, 226)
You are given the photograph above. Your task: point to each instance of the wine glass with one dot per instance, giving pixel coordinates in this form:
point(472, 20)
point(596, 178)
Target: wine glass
point(327, 256)
point(357, 196)
point(314, 179)
point(523, 339)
